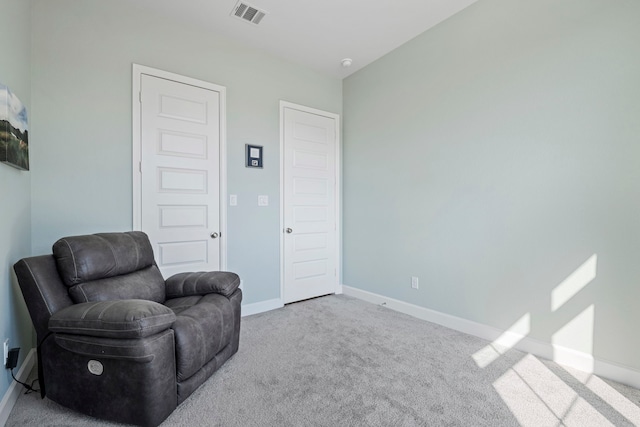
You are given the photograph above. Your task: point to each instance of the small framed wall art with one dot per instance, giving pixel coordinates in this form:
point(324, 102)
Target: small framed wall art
point(14, 134)
point(254, 156)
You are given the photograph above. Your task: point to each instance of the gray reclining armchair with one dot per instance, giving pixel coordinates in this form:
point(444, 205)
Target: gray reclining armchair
point(115, 340)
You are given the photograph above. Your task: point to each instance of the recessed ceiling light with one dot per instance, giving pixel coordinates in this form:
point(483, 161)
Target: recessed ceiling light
point(346, 62)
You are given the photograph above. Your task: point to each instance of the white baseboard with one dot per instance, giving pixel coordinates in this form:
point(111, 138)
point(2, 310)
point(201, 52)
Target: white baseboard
point(562, 355)
point(15, 389)
point(261, 307)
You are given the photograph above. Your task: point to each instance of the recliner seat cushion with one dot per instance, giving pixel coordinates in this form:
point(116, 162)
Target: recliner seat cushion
point(204, 326)
point(106, 266)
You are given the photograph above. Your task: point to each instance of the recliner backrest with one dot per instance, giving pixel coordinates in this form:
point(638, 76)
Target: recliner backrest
point(44, 293)
point(109, 266)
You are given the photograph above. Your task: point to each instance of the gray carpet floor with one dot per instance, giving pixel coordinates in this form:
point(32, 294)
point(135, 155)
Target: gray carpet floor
point(339, 361)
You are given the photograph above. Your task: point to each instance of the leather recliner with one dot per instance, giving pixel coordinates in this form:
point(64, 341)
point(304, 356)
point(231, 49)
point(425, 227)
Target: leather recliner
point(115, 340)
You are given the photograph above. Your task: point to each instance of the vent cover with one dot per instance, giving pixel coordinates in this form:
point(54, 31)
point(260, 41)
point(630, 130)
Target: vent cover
point(248, 13)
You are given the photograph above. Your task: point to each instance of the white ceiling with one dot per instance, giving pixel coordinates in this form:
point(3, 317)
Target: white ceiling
point(318, 33)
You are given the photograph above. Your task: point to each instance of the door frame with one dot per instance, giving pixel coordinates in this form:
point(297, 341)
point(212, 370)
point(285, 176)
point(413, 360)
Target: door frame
point(136, 164)
point(338, 190)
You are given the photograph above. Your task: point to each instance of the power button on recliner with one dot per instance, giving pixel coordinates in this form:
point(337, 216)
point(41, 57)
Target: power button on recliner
point(95, 367)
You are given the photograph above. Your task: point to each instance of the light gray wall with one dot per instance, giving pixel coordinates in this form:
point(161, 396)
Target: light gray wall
point(83, 51)
point(15, 187)
point(491, 157)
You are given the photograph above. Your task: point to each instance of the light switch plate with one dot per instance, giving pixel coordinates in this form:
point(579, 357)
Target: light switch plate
point(263, 200)
point(233, 200)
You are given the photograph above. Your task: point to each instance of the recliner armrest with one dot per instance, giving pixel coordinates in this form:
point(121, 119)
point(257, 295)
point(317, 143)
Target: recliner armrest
point(202, 283)
point(113, 319)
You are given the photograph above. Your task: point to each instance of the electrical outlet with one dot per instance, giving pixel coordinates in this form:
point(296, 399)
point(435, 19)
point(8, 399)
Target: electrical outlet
point(6, 351)
point(414, 282)
point(12, 360)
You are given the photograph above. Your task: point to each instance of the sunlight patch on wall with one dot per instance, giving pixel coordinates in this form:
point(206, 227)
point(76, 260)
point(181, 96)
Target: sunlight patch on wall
point(576, 335)
point(574, 283)
point(538, 397)
point(509, 339)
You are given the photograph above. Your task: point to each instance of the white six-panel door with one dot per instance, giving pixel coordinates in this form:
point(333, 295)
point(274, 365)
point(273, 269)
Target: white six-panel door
point(310, 232)
point(180, 174)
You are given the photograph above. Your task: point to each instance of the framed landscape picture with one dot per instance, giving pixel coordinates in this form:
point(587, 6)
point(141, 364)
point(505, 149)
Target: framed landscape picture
point(14, 134)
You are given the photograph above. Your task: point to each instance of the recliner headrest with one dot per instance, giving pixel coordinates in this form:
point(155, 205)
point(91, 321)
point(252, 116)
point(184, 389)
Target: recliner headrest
point(98, 256)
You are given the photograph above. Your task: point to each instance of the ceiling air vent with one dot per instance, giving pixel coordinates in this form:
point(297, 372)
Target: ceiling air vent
point(248, 13)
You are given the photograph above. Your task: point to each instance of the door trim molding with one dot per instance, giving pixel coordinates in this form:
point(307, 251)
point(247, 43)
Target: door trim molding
point(137, 72)
point(338, 192)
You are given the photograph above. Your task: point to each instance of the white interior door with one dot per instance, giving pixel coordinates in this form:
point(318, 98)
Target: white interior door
point(310, 235)
point(180, 174)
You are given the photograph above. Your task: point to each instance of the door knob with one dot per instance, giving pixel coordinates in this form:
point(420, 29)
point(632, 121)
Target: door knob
point(288, 230)
point(214, 235)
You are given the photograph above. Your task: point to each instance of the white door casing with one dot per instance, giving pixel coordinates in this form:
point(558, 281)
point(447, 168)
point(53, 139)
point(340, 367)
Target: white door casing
point(310, 202)
point(178, 166)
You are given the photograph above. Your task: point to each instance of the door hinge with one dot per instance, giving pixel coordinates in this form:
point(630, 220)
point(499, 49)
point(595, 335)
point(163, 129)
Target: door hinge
point(140, 97)
point(140, 166)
